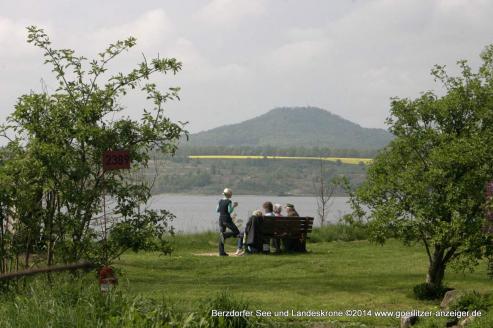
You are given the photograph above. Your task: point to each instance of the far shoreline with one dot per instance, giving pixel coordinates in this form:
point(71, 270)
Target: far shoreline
point(237, 195)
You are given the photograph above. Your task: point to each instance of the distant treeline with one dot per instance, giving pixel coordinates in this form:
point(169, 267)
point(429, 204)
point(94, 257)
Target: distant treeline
point(186, 150)
point(247, 177)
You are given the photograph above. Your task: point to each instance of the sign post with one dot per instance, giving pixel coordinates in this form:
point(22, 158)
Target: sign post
point(112, 160)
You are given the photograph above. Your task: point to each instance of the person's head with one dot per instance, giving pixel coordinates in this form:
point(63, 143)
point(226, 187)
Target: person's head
point(290, 210)
point(268, 207)
point(289, 207)
point(257, 213)
point(277, 208)
point(227, 192)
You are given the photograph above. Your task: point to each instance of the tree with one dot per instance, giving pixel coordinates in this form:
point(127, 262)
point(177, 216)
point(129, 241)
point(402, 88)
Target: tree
point(55, 176)
point(427, 186)
point(324, 189)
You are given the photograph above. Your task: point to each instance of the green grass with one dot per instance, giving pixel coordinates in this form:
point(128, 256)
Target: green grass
point(332, 276)
point(65, 301)
point(157, 290)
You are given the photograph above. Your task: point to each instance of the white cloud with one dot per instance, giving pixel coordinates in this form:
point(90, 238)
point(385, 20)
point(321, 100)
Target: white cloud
point(229, 12)
point(296, 56)
point(243, 57)
point(13, 36)
point(151, 28)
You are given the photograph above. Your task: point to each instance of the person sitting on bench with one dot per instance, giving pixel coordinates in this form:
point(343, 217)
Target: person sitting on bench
point(268, 211)
point(277, 209)
point(254, 238)
point(277, 241)
point(290, 245)
point(251, 237)
point(291, 210)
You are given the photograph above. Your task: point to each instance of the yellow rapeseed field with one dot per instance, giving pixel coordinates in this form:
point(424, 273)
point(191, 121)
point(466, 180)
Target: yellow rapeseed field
point(344, 160)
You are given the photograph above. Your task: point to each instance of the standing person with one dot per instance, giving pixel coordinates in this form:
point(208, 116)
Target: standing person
point(225, 208)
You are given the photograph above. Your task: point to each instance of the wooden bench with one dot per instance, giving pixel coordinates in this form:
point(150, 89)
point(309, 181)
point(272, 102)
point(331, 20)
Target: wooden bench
point(287, 227)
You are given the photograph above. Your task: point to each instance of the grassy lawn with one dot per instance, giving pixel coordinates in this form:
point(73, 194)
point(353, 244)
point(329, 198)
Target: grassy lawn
point(332, 276)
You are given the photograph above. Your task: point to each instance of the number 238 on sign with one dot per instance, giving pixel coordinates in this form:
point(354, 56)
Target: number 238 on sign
point(116, 159)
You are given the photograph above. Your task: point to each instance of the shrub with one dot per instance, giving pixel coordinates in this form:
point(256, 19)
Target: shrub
point(471, 301)
point(427, 291)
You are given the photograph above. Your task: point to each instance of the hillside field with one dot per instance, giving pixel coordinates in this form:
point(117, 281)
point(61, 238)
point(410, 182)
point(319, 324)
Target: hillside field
point(343, 160)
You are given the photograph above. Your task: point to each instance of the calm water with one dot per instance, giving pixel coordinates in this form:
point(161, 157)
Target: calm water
point(198, 213)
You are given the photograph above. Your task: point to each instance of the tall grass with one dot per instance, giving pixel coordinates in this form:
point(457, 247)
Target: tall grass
point(339, 232)
point(77, 302)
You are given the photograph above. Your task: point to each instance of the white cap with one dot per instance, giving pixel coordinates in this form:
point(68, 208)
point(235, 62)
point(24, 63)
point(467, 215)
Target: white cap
point(227, 191)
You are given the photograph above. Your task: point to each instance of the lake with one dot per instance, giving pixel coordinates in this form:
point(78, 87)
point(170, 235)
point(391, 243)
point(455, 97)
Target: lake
point(197, 213)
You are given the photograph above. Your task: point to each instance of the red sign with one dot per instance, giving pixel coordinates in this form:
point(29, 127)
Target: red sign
point(116, 159)
point(107, 279)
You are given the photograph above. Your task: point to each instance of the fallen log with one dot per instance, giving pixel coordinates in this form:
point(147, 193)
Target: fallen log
point(55, 268)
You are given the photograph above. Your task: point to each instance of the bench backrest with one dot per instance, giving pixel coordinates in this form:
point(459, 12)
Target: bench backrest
point(286, 226)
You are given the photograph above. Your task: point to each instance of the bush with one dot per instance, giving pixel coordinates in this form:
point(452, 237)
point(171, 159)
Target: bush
point(471, 301)
point(340, 231)
point(427, 291)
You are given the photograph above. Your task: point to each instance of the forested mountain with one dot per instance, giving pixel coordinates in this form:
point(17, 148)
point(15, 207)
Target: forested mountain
point(298, 127)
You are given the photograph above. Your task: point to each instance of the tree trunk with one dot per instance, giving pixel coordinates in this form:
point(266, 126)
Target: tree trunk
point(436, 268)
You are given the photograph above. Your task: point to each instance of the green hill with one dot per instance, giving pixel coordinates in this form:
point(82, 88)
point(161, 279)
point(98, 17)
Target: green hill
point(298, 127)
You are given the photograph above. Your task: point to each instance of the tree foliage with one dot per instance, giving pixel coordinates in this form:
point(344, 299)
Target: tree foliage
point(428, 185)
point(51, 171)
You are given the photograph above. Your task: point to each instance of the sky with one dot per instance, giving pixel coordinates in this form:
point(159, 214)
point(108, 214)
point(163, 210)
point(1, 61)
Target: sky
point(242, 58)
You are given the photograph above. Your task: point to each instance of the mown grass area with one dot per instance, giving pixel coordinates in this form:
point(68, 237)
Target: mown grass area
point(332, 276)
